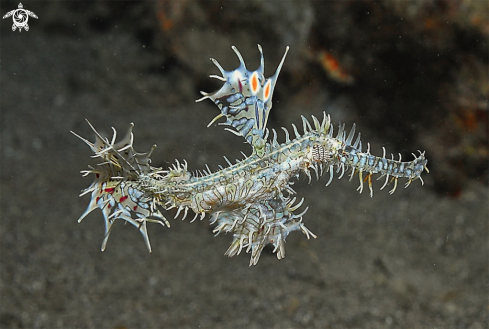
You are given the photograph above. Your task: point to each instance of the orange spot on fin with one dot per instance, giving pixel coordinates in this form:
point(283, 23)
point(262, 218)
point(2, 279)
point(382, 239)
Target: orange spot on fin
point(254, 83)
point(266, 91)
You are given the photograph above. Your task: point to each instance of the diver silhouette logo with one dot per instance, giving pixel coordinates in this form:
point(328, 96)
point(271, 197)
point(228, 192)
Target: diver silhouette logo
point(20, 17)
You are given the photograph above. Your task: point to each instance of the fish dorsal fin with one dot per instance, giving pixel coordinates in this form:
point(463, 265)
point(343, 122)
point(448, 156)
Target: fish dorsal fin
point(245, 99)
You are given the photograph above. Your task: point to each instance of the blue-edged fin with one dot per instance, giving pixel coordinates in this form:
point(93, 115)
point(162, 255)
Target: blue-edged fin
point(245, 99)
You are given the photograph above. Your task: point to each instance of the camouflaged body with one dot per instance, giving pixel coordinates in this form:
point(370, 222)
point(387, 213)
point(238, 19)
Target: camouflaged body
point(253, 199)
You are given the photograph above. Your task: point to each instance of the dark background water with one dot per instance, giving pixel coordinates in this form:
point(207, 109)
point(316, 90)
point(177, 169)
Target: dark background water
point(412, 75)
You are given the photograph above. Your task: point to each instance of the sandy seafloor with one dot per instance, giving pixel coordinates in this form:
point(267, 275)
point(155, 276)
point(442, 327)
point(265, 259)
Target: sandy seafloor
point(415, 259)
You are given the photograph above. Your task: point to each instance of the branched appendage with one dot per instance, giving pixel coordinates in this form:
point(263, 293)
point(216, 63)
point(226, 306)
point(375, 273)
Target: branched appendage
point(251, 199)
point(259, 224)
